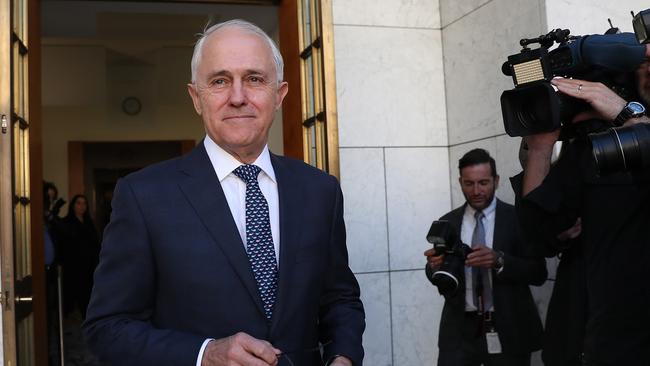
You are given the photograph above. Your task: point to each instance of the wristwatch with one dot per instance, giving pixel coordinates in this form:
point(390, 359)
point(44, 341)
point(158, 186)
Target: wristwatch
point(498, 262)
point(631, 110)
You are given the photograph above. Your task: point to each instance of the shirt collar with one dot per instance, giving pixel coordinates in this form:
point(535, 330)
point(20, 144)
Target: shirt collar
point(224, 163)
point(488, 211)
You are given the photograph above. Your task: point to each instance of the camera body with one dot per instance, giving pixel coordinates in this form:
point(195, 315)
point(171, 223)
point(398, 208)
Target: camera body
point(534, 106)
point(446, 241)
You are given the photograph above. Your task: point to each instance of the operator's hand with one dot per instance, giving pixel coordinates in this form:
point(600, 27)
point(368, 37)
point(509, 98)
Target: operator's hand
point(541, 143)
point(434, 261)
point(538, 159)
point(240, 350)
point(605, 104)
point(341, 361)
point(572, 232)
point(481, 256)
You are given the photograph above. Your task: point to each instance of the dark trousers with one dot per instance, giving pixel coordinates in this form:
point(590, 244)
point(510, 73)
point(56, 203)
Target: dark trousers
point(473, 349)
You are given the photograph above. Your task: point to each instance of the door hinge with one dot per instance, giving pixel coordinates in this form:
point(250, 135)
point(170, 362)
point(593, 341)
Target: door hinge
point(4, 124)
point(3, 300)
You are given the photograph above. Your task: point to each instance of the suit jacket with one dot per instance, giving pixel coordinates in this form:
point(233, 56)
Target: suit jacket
point(173, 269)
point(612, 264)
point(516, 318)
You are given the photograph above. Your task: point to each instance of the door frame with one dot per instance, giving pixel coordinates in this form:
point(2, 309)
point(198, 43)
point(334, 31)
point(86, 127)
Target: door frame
point(38, 343)
point(293, 146)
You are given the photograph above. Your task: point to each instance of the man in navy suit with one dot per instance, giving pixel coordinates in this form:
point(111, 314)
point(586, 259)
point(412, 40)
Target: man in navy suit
point(229, 255)
point(491, 319)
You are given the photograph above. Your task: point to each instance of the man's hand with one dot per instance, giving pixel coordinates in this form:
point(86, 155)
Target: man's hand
point(240, 350)
point(434, 261)
point(572, 232)
point(481, 256)
point(605, 104)
point(341, 361)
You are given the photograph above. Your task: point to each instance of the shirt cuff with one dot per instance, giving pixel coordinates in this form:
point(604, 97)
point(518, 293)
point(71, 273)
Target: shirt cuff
point(200, 357)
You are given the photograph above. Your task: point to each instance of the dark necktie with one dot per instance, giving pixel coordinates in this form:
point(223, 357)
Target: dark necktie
point(480, 276)
point(259, 240)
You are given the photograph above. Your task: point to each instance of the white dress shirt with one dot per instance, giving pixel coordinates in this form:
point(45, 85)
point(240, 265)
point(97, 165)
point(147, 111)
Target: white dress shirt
point(466, 232)
point(235, 191)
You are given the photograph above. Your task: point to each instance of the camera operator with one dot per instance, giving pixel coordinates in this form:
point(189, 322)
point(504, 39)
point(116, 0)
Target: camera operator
point(492, 319)
point(614, 216)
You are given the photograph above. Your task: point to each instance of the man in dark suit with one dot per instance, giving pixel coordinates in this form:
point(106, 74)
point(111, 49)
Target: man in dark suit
point(229, 255)
point(492, 318)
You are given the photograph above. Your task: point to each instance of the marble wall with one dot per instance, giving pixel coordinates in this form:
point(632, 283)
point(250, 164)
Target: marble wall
point(394, 166)
point(418, 85)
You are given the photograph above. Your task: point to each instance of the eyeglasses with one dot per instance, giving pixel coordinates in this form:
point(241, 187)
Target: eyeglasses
point(286, 354)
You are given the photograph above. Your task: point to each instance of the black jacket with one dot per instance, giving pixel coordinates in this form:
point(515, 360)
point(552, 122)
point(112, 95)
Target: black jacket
point(615, 213)
point(516, 317)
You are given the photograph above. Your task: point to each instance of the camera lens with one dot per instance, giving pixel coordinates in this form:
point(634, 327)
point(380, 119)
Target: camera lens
point(621, 149)
point(446, 282)
point(531, 109)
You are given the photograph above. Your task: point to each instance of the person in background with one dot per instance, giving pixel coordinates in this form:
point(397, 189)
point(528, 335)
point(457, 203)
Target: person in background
point(493, 319)
point(80, 255)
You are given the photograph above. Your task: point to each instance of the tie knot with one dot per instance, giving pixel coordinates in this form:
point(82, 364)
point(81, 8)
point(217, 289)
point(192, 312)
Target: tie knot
point(247, 172)
point(478, 215)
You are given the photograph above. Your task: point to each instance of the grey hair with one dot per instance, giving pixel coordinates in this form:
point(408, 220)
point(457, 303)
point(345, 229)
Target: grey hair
point(243, 25)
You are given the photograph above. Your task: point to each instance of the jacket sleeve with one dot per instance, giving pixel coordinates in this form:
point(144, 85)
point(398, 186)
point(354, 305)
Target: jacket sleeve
point(342, 317)
point(523, 270)
point(552, 207)
point(521, 264)
point(118, 327)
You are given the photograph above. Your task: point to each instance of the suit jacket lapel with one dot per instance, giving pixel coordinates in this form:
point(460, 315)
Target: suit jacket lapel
point(203, 190)
point(290, 196)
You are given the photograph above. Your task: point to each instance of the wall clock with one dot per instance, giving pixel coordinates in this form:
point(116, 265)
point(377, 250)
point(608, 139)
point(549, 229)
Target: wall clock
point(131, 106)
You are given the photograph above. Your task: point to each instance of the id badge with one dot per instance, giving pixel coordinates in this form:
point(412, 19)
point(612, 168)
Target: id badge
point(493, 343)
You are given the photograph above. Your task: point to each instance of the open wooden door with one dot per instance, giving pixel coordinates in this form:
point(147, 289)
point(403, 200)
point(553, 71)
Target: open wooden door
point(21, 258)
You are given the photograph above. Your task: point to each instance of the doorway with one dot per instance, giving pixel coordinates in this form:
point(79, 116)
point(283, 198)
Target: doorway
point(115, 99)
point(110, 71)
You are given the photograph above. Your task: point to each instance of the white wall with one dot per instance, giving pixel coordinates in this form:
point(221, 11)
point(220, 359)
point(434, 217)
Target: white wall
point(401, 137)
point(394, 166)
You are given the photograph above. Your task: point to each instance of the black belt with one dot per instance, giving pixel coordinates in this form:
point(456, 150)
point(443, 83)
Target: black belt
point(488, 316)
point(476, 313)
point(483, 321)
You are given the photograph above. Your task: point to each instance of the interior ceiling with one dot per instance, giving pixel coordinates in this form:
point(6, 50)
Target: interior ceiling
point(120, 25)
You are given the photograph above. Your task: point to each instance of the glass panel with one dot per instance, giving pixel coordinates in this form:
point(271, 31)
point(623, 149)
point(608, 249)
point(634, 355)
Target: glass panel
point(306, 23)
point(26, 347)
point(20, 19)
point(18, 174)
point(322, 143)
point(316, 19)
point(19, 75)
point(313, 153)
point(24, 162)
point(309, 88)
point(316, 73)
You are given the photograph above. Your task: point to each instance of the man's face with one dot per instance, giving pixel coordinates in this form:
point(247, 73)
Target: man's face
point(236, 92)
point(478, 185)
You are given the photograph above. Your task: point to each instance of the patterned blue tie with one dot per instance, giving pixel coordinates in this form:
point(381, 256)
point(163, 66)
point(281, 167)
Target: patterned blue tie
point(259, 241)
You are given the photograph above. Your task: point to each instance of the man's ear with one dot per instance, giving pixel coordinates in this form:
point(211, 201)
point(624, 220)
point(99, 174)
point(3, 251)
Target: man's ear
point(283, 89)
point(196, 99)
point(496, 182)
